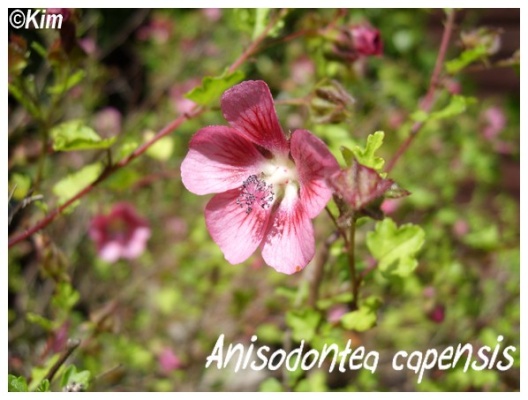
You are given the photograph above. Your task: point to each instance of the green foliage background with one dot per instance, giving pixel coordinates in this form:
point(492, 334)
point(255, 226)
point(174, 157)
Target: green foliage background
point(181, 294)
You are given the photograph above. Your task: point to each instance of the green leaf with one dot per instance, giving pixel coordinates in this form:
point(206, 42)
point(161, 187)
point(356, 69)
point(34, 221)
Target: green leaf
point(39, 320)
point(366, 156)
point(16, 384)
point(269, 333)
point(467, 57)
point(364, 318)
point(485, 238)
point(72, 376)
point(303, 323)
point(75, 135)
point(43, 386)
point(39, 49)
point(21, 185)
point(315, 382)
point(69, 186)
point(26, 102)
point(39, 373)
point(212, 87)
point(456, 106)
point(395, 248)
point(261, 20)
point(65, 296)
point(122, 179)
point(71, 81)
point(271, 385)
point(162, 149)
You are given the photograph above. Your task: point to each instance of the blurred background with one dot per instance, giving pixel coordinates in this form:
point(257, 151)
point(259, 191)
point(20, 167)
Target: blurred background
point(149, 313)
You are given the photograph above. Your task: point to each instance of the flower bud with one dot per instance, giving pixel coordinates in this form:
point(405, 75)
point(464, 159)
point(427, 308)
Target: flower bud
point(358, 41)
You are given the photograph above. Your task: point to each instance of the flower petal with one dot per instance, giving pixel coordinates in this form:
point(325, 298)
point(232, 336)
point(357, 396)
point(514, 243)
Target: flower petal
point(111, 251)
point(314, 164)
point(289, 243)
point(219, 159)
point(237, 232)
point(248, 107)
point(137, 243)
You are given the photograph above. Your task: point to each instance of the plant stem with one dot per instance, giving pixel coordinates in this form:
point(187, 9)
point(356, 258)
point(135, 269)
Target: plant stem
point(317, 277)
point(71, 346)
point(429, 99)
point(256, 43)
point(354, 283)
point(109, 170)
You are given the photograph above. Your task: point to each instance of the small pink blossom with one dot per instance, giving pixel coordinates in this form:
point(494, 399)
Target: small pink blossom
point(460, 228)
point(65, 12)
point(120, 234)
point(335, 313)
point(212, 14)
point(168, 361)
point(268, 187)
point(367, 40)
point(452, 86)
point(88, 45)
point(107, 122)
point(181, 104)
point(495, 122)
point(437, 314)
point(390, 205)
point(302, 70)
point(358, 41)
point(159, 29)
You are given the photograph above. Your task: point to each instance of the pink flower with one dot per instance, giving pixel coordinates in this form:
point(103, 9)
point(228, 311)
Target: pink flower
point(358, 41)
point(437, 314)
point(212, 14)
point(367, 40)
point(269, 188)
point(120, 234)
point(390, 205)
point(168, 361)
point(107, 122)
point(495, 122)
point(335, 313)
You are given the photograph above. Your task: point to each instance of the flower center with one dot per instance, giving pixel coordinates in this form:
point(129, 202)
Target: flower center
point(278, 179)
point(256, 190)
point(280, 172)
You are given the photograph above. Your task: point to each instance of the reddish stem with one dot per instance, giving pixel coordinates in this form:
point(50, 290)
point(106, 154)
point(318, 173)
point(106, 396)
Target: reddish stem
point(428, 101)
point(141, 149)
point(105, 174)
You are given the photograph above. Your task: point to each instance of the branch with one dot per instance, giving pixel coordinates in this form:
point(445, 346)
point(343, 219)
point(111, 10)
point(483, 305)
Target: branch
point(104, 175)
point(70, 348)
point(196, 111)
point(253, 47)
point(428, 100)
point(317, 277)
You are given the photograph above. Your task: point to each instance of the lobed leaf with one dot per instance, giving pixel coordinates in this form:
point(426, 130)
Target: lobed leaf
point(75, 135)
point(395, 248)
point(212, 87)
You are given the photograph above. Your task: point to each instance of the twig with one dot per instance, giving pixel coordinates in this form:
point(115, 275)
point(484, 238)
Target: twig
point(256, 43)
point(109, 170)
point(428, 100)
point(317, 277)
point(71, 346)
point(354, 282)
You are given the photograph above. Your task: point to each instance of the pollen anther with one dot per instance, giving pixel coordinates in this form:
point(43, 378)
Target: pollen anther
point(253, 190)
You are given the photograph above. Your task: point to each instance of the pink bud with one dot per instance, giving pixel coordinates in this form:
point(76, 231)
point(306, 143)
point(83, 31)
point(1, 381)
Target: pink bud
point(437, 314)
point(367, 40)
point(168, 361)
